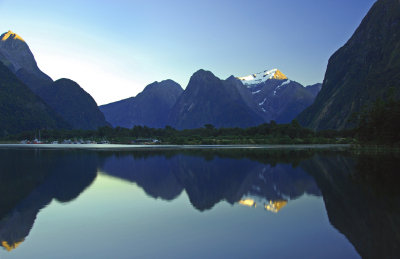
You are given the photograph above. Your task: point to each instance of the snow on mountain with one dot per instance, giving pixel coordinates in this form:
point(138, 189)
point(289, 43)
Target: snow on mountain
point(279, 86)
point(261, 77)
point(262, 103)
point(276, 97)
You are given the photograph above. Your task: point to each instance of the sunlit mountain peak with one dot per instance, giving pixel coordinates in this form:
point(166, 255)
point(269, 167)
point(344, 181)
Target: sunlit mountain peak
point(10, 247)
point(248, 202)
point(262, 77)
point(11, 35)
point(275, 206)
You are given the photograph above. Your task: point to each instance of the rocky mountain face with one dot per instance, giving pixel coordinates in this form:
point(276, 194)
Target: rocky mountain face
point(210, 100)
point(279, 98)
point(367, 67)
point(149, 108)
point(68, 99)
point(20, 109)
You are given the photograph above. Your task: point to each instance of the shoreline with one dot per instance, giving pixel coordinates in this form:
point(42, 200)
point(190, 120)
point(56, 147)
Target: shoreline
point(170, 147)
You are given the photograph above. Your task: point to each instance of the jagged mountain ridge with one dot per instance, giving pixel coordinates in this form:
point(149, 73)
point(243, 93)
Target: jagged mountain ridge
point(210, 100)
point(68, 99)
point(234, 102)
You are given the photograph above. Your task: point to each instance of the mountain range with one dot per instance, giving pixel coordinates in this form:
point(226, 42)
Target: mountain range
point(65, 97)
point(234, 102)
point(365, 69)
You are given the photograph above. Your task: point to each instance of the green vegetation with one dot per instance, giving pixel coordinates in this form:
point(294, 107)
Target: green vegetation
point(268, 133)
point(377, 125)
point(380, 124)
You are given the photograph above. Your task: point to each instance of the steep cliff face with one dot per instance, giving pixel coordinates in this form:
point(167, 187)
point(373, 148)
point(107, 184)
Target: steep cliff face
point(364, 69)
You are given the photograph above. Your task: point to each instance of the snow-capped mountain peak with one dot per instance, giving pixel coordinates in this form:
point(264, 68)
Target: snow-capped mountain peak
point(261, 77)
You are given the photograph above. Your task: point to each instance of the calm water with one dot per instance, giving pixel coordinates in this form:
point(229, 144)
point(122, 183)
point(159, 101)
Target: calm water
point(198, 204)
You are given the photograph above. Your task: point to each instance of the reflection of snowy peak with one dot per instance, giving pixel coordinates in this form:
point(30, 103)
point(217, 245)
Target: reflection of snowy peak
point(261, 77)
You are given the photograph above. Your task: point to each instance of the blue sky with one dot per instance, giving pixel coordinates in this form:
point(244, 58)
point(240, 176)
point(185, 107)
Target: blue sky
point(113, 49)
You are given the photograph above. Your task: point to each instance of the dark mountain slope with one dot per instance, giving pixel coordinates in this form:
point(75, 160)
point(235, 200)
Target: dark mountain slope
point(76, 106)
point(21, 109)
point(209, 100)
point(149, 108)
point(364, 69)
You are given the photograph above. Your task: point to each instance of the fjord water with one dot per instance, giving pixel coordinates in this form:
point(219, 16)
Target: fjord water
point(198, 203)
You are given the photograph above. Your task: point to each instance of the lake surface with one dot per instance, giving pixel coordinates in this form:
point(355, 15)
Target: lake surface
point(233, 203)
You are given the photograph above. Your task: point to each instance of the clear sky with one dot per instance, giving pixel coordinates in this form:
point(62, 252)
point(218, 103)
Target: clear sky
point(114, 48)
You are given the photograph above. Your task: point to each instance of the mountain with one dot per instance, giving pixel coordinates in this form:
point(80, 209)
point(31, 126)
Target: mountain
point(67, 98)
point(234, 102)
point(280, 98)
point(210, 100)
point(75, 105)
point(149, 108)
point(16, 55)
point(20, 109)
point(314, 89)
point(367, 67)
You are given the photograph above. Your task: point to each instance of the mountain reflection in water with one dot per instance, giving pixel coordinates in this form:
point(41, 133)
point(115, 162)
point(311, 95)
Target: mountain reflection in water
point(358, 190)
point(209, 180)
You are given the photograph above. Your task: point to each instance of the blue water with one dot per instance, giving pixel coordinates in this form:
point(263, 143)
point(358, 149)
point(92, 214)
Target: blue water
point(179, 204)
